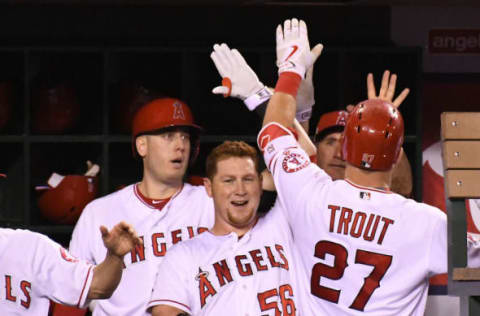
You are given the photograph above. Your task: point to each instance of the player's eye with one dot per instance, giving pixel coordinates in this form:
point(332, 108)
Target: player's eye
point(167, 136)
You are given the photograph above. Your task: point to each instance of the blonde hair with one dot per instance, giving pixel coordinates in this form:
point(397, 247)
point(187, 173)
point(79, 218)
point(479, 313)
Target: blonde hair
point(230, 149)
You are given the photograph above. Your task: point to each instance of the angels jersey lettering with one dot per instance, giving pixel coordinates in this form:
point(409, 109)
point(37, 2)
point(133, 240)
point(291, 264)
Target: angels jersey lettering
point(225, 275)
point(187, 214)
point(33, 270)
point(365, 251)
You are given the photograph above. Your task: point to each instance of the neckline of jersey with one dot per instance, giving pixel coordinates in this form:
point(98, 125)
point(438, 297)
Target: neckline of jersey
point(157, 204)
point(380, 190)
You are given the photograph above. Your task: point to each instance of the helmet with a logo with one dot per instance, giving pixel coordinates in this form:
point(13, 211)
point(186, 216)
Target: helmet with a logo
point(65, 197)
point(163, 114)
point(373, 135)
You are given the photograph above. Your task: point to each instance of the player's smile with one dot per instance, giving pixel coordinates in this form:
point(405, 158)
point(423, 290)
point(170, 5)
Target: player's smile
point(236, 189)
point(239, 203)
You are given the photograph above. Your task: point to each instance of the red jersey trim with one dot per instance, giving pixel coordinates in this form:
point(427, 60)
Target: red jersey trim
point(84, 286)
point(171, 301)
point(368, 188)
point(161, 205)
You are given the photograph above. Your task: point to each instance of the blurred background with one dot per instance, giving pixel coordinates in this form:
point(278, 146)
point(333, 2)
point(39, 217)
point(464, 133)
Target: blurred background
point(72, 73)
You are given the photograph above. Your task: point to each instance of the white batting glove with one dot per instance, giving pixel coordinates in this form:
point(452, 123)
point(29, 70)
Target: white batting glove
point(293, 48)
point(239, 80)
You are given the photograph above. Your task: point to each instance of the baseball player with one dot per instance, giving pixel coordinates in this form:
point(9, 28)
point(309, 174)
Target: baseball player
point(163, 209)
point(243, 265)
point(35, 269)
point(365, 250)
point(240, 81)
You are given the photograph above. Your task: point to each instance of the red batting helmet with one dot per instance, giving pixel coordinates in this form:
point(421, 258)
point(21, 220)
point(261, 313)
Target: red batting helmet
point(64, 203)
point(161, 114)
point(131, 97)
point(55, 108)
point(373, 135)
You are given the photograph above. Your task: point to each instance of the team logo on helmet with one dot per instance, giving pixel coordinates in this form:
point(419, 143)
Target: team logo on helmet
point(293, 162)
point(342, 119)
point(367, 160)
point(178, 111)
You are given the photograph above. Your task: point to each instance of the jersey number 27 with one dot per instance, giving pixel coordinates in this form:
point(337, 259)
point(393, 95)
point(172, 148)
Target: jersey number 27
point(380, 263)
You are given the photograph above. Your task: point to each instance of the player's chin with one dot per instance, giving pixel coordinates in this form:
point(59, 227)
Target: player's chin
point(336, 171)
point(241, 215)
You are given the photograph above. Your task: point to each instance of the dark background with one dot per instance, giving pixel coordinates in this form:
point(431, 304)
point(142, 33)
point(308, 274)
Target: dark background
point(102, 49)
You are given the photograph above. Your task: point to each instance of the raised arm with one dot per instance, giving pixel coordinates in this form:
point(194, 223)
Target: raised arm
point(402, 182)
point(240, 81)
point(107, 275)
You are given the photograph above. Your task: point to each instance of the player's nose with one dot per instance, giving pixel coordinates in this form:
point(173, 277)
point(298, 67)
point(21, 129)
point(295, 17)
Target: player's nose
point(240, 188)
point(179, 141)
point(338, 151)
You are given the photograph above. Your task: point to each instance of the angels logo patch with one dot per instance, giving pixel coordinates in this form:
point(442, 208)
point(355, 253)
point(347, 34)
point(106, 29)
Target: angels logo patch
point(178, 111)
point(293, 162)
point(67, 256)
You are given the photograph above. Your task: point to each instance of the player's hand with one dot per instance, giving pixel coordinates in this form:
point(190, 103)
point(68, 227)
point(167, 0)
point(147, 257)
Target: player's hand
point(293, 48)
point(387, 89)
point(121, 239)
point(239, 80)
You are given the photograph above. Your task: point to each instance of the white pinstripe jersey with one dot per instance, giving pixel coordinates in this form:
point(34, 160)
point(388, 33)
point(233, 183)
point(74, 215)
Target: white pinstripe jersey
point(188, 213)
point(34, 269)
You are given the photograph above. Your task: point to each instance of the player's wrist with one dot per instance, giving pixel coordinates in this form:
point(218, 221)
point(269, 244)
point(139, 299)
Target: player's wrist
point(113, 255)
point(288, 82)
point(304, 115)
point(259, 97)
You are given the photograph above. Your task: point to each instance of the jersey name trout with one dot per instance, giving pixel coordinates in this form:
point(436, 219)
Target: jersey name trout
point(357, 224)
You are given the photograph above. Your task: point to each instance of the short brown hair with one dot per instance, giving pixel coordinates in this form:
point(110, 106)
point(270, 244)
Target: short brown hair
point(230, 149)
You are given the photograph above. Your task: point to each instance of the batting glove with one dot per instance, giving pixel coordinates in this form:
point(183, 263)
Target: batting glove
point(239, 80)
point(293, 48)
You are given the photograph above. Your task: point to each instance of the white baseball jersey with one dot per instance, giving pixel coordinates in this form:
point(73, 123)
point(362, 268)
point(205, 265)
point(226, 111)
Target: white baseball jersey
point(365, 251)
point(225, 275)
point(34, 269)
point(188, 213)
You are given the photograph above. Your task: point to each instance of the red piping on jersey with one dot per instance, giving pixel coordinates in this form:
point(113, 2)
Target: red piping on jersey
point(171, 301)
point(144, 200)
point(84, 285)
point(368, 188)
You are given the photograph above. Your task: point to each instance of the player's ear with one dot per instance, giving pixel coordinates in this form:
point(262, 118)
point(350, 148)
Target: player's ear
point(141, 145)
point(208, 186)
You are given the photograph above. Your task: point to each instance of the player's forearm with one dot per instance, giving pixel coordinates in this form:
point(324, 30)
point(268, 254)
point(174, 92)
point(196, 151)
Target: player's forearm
point(106, 277)
point(280, 109)
point(303, 140)
point(402, 176)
